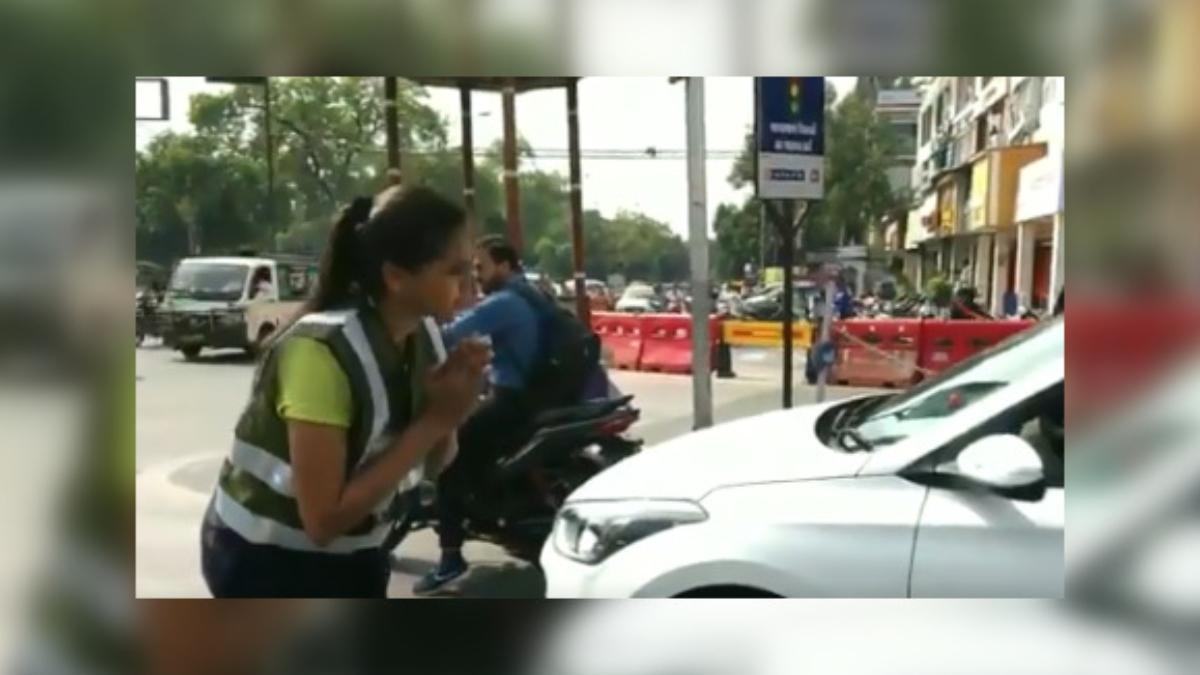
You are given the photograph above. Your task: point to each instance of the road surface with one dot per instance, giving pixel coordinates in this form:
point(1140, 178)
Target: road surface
point(186, 413)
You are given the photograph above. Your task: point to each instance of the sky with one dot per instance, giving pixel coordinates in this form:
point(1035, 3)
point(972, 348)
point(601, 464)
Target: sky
point(615, 113)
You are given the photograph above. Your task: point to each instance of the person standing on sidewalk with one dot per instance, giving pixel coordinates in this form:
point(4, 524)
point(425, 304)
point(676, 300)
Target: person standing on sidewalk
point(349, 407)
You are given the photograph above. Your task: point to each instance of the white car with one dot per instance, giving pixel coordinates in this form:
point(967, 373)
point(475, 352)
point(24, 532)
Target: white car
point(639, 299)
point(951, 489)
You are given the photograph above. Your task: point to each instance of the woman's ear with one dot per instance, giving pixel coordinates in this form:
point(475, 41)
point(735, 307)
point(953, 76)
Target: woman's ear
point(395, 278)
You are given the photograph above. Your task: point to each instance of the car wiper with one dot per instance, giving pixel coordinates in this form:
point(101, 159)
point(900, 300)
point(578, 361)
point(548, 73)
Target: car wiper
point(861, 444)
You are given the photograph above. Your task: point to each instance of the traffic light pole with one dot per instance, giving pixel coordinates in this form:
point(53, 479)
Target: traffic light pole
point(788, 226)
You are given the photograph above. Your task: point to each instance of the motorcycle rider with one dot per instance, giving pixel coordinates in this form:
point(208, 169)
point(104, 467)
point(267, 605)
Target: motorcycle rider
point(503, 421)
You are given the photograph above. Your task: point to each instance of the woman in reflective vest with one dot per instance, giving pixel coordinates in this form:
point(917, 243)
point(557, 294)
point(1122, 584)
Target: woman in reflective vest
point(351, 406)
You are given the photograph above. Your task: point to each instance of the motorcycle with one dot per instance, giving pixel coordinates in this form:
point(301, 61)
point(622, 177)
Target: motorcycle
point(515, 505)
point(146, 320)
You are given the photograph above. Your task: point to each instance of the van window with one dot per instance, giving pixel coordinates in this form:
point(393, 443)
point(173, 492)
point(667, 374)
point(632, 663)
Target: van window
point(200, 280)
point(295, 281)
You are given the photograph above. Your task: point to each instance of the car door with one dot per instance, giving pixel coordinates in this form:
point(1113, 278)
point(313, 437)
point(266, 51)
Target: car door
point(977, 544)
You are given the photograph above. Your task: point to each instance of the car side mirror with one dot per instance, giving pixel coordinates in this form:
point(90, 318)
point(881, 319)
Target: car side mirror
point(1002, 463)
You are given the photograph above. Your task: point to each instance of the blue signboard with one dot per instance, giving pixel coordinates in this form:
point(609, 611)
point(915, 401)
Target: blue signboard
point(790, 124)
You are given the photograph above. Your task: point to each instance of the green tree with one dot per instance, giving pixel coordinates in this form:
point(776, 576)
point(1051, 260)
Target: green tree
point(738, 240)
point(207, 187)
point(190, 197)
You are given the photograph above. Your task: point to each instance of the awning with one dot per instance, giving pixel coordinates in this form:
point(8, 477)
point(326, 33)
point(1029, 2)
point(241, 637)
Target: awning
point(919, 220)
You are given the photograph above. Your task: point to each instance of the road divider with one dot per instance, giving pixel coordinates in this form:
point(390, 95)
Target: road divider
point(869, 352)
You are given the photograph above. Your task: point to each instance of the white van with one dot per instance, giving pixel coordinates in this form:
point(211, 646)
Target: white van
point(234, 302)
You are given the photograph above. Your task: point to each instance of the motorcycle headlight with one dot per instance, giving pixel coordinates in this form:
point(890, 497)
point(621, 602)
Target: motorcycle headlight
point(589, 532)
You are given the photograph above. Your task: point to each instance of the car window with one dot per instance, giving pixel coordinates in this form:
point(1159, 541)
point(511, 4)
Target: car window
point(209, 281)
point(959, 388)
point(295, 281)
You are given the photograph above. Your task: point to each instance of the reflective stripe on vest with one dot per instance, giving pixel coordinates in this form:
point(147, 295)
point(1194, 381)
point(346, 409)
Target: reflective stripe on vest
point(276, 473)
point(259, 530)
point(268, 468)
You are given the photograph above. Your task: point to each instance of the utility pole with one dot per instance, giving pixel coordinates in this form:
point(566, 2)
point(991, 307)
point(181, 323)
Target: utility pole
point(698, 244)
point(391, 123)
point(269, 141)
point(582, 305)
point(512, 191)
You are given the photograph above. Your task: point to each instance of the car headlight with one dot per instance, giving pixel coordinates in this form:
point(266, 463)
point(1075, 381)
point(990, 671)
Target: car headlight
point(229, 318)
point(589, 532)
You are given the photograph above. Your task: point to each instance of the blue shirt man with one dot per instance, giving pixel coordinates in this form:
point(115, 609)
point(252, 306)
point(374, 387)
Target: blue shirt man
point(502, 421)
point(843, 302)
point(504, 317)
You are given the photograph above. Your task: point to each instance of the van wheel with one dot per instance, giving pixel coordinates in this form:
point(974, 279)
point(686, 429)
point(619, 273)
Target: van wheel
point(191, 352)
point(260, 341)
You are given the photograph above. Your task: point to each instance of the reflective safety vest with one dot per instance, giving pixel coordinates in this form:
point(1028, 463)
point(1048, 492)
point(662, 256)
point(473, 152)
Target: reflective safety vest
point(254, 494)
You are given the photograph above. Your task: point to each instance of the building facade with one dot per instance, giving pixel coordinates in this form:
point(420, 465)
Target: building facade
point(989, 152)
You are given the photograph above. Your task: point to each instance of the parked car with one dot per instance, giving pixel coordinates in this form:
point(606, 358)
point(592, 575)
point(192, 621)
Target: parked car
point(640, 299)
point(947, 490)
point(219, 303)
point(767, 305)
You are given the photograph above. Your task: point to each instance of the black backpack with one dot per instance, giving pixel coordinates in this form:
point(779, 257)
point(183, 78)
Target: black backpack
point(568, 353)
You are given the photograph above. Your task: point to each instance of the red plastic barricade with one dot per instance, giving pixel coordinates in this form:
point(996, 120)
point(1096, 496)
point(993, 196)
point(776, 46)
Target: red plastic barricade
point(876, 352)
point(667, 342)
point(621, 334)
point(945, 342)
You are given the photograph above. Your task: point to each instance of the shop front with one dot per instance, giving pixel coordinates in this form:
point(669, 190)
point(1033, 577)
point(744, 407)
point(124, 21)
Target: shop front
point(1039, 256)
point(921, 226)
point(990, 237)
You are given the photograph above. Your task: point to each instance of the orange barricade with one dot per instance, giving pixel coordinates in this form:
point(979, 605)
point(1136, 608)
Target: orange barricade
point(621, 334)
point(945, 342)
point(876, 352)
point(667, 342)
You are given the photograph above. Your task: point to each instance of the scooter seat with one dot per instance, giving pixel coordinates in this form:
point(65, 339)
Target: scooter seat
point(577, 413)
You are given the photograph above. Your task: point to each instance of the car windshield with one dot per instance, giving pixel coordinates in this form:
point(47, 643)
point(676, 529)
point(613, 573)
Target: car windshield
point(892, 419)
point(209, 281)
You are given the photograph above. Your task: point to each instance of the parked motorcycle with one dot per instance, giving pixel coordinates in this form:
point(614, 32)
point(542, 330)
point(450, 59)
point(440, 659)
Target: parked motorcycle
point(514, 507)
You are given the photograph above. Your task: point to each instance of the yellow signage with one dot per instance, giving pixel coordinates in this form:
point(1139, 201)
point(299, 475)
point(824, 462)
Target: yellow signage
point(765, 334)
point(948, 209)
point(977, 211)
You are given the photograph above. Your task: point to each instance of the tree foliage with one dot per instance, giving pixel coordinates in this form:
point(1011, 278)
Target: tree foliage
point(208, 186)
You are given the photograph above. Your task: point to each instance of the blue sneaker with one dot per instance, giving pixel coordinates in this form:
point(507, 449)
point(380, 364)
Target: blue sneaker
point(450, 568)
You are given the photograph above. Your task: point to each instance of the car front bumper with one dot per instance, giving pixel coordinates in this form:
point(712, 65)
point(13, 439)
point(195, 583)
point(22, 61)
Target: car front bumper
point(203, 329)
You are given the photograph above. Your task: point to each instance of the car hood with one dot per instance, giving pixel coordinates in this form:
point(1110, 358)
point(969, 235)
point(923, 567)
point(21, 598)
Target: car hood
point(774, 447)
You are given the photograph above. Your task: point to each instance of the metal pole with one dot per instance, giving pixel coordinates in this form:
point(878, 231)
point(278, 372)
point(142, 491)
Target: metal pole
point(270, 149)
point(468, 169)
point(698, 245)
point(826, 323)
point(391, 123)
point(582, 307)
point(788, 258)
point(512, 204)
point(762, 235)
point(468, 155)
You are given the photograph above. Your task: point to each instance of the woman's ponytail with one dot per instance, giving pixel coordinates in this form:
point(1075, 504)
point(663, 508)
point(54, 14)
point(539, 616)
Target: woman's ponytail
point(337, 281)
